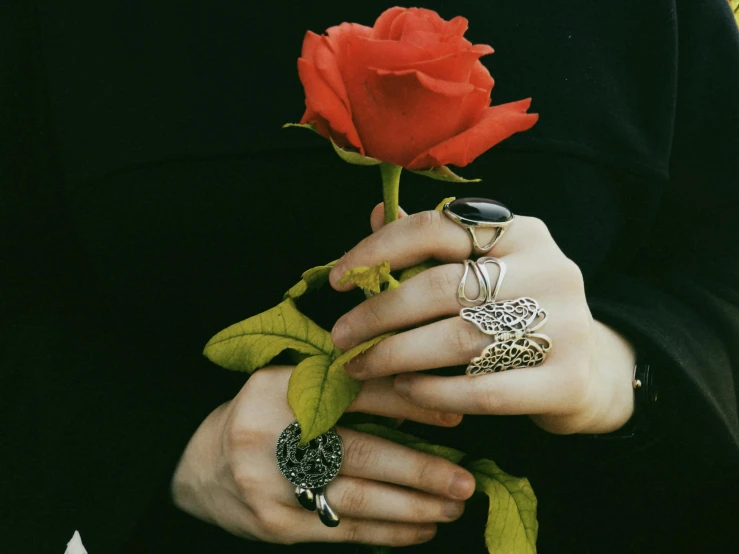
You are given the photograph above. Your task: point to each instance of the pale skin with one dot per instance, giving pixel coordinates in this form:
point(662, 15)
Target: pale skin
point(585, 384)
point(385, 493)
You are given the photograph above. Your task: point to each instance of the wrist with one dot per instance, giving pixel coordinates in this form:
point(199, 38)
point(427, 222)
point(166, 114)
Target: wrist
point(197, 468)
point(613, 358)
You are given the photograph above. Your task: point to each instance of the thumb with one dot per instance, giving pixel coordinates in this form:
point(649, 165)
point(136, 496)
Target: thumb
point(377, 218)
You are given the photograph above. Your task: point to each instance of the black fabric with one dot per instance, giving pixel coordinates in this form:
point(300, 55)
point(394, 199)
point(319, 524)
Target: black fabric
point(149, 198)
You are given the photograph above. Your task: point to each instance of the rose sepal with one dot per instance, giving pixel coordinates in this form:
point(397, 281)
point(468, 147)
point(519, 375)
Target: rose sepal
point(443, 173)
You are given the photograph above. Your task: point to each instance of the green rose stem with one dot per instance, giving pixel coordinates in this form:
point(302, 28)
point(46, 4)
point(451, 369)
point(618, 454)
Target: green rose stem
point(390, 190)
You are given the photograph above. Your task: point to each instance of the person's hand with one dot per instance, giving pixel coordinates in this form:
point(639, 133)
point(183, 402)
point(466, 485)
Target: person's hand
point(583, 386)
point(385, 493)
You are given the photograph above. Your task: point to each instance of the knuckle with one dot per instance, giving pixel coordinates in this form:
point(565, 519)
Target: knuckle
point(237, 435)
point(243, 479)
point(354, 500)
point(372, 315)
point(487, 402)
point(427, 221)
point(571, 276)
point(353, 533)
point(445, 281)
point(427, 472)
point(468, 340)
point(360, 454)
point(420, 509)
point(538, 227)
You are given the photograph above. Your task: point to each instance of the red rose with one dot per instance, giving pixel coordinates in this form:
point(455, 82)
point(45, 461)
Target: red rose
point(410, 91)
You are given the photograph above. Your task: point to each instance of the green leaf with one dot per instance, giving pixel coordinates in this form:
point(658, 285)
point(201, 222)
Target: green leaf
point(440, 206)
point(320, 390)
point(451, 454)
point(369, 279)
point(352, 353)
point(318, 393)
point(312, 279)
point(443, 173)
point(252, 343)
point(512, 525)
point(308, 126)
point(354, 157)
point(416, 269)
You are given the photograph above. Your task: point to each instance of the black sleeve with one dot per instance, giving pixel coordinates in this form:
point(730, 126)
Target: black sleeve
point(678, 298)
point(92, 426)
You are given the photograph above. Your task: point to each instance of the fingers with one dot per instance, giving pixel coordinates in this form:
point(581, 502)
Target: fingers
point(377, 217)
point(378, 397)
point(365, 499)
point(427, 296)
point(431, 234)
point(290, 525)
point(539, 390)
point(445, 343)
point(405, 243)
point(377, 459)
point(365, 531)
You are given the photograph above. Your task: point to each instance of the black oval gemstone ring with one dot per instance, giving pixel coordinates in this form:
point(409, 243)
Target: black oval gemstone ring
point(473, 213)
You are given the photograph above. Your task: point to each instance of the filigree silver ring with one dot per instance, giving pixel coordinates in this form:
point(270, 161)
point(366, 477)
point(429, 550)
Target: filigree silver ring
point(513, 324)
point(311, 468)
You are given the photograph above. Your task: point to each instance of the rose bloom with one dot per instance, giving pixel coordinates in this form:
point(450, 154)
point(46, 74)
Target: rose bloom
point(410, 91)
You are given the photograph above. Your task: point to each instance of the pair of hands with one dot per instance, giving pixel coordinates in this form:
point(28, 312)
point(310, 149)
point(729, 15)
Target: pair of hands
point(386, 493)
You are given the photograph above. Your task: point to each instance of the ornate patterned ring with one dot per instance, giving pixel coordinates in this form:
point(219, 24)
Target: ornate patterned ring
point(512, 323)
point(310, 468)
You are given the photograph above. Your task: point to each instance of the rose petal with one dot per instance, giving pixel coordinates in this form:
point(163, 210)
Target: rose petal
point(310, 44)
point(383, 25)
point(437, 45)
point(321, 99)
point(496, 124)
point(421, 19)
point(398, 27)
point(439, 86)
point(456, 67)
point(457, 26)
point(338, 35)
point(480, 77)
point(321, 124)
point(399, 114)
point(328, 67)
point(361, 52)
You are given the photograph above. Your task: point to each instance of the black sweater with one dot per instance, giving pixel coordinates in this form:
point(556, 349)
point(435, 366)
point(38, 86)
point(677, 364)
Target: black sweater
point(150, 198)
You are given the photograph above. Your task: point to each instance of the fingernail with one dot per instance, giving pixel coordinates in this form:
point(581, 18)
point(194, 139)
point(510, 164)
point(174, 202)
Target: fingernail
point(462, 486)
point(355, 368)
point(427, 532)
point(340, 334)
point(402, 386)
point(336, 273)
point(453, 510)
point(449, 419)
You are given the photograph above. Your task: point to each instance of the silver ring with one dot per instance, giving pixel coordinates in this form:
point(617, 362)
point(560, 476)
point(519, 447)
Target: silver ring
point(512, 323)
point(310, 468)
point(488, 292)
point(474, 213)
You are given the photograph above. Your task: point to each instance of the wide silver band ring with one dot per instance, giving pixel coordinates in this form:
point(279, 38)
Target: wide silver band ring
point(487, 291)
point(513, 325)
point(311, 468)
